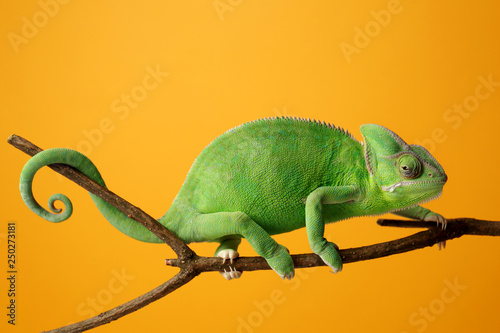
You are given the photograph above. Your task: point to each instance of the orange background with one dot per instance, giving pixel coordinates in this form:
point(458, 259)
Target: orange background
point(67, 70)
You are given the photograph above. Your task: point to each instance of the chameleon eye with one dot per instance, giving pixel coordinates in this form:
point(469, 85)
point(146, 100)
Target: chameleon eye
point(409, 166)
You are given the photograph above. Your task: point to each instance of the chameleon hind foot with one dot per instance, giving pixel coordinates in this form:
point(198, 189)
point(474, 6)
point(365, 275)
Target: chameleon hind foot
point(231, 255)
point(441, 245)
point(228, 254)
point(281, 262)
point(231, 274)
point(331, 257)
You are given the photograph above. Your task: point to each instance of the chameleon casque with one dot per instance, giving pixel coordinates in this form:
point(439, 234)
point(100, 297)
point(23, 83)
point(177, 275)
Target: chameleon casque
point(272, 176)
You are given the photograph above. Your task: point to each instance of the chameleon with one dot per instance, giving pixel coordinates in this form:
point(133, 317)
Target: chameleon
point(271, 176)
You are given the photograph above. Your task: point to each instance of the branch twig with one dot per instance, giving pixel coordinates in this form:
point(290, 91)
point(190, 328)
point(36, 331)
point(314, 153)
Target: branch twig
point(191, 265)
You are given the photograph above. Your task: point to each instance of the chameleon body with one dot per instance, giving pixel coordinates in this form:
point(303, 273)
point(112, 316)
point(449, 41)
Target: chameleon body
point(272, 176)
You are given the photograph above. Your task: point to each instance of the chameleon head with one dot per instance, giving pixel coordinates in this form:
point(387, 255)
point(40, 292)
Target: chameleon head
point(407, 174)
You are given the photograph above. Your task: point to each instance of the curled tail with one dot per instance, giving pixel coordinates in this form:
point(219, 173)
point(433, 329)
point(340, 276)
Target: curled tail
point(80, 162)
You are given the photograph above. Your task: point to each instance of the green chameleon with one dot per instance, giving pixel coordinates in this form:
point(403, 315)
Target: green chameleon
point(272, 176)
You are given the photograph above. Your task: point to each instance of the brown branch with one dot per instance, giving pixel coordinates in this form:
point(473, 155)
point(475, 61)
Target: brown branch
point(469, 226)
point(183, 277)
point(456, 228)
point(191, 265)
point(181, 249)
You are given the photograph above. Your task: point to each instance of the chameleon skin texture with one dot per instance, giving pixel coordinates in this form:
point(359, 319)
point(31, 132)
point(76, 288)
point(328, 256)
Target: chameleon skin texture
point(272, 176)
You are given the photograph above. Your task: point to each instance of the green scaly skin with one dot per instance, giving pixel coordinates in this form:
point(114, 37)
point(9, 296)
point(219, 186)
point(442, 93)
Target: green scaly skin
point(273, 176)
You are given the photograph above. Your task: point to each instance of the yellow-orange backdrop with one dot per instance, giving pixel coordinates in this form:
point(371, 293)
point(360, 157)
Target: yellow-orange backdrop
point(141, 88)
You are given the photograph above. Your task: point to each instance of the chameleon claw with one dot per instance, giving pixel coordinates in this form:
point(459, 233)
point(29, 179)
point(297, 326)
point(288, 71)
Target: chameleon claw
point(228, 254)
point(440, 220)
point(335, 270)
point(441, 245)
point(232, 274)
point(443, 223)
point(287, 276)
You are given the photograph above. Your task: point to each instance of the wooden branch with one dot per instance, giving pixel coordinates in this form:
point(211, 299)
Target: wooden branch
point(469, 226)
point(183, 277)
point(191, 265)
point(181, 249)
point(456, 228)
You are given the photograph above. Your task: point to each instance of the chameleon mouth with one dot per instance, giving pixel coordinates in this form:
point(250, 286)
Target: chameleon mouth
point(434, 197)
point(410, 183)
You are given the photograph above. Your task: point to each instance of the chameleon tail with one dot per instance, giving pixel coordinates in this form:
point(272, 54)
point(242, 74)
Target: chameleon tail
point(80, 162)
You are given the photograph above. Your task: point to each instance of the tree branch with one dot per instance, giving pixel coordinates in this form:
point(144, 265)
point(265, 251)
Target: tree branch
point(181, 249)
point(183, 277)
point(191, 265)
point(456, 228)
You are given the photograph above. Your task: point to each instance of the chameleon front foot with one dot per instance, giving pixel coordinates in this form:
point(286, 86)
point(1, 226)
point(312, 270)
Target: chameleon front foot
point(439, 219)
point(441, 222)
point(281, 262)
point(331, 257)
